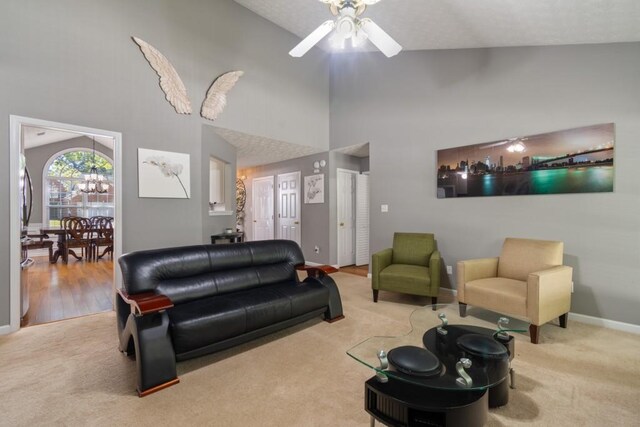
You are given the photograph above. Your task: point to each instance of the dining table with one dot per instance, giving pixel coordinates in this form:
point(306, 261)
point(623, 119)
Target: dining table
point(62, 238)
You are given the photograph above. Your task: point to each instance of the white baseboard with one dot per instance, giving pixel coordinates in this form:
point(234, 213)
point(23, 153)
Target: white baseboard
point(5, 329)
point(590, 320)
point(606, 323)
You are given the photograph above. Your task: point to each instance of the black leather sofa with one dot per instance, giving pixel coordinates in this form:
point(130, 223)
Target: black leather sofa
point(183, 302)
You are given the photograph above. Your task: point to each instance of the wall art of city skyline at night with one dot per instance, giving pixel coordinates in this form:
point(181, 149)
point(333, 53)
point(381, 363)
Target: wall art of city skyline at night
point(578, 160)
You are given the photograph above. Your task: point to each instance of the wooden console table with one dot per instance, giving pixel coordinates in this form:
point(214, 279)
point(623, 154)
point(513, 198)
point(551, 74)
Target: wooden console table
point(231, 237)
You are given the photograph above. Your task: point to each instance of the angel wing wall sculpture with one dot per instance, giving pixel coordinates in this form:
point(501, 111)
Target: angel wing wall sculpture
point(170, 82)
point(216, 98)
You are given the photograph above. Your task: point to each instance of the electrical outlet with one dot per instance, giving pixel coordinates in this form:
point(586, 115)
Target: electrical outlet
point(449, 269)
point(384, 208)
point(316, 249)
point(571, 287)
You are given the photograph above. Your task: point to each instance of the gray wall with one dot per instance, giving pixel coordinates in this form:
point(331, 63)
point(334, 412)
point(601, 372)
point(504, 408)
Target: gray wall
point(73, 61)
point(411, 105)
point(36, 159)
point(314, 218)
point(364, 164)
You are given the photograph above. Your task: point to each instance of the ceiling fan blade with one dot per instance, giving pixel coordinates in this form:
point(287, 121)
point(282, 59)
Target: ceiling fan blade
point(312, 39)
point(379, 38)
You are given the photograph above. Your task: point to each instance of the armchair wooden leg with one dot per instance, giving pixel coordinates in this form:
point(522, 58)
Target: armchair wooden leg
point(434, 301)
point(563, 320)
point(534, 332)
point(375, 295)
point(463, 309)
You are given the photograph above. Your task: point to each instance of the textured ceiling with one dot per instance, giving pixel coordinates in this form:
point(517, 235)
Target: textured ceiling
point(257, 150)
point(360, 150)
point(456, 24)
point(36, 136)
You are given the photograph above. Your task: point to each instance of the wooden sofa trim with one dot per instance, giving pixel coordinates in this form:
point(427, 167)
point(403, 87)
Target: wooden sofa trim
point(146, 302)
point(158, 388)
point(316, 270)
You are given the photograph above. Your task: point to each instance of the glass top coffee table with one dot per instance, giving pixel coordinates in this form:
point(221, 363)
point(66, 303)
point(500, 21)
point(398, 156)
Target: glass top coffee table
point(448, 370)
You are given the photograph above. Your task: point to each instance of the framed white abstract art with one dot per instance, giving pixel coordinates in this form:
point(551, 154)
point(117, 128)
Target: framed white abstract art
point(163, 174)
point(314, 188)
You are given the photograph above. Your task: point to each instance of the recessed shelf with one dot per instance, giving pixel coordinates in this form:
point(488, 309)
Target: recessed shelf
point(220, 213)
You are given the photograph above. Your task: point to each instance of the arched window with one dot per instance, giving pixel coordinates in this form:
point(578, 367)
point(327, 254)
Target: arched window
point(62, 197)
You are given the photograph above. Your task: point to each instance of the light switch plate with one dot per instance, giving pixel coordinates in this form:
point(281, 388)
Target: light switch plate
point(449, 269)
point(384, 208)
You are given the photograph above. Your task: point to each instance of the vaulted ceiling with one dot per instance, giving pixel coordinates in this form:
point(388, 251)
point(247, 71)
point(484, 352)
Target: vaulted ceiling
point(447, 24)
point(456, 24)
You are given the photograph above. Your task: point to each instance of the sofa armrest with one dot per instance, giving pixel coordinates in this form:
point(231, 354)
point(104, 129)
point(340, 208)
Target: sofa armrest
point(146, 302)
point(316, 270)
point(380, 261)
point(474, 269)
point(548, 294)
point(434, 269)
point(334, 309)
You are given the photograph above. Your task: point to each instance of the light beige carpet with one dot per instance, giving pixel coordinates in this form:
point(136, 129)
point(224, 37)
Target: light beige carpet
point(71, 373)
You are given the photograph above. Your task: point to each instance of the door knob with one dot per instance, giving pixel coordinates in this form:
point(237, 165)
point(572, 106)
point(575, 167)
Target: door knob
point(342, 224)
point(297, 222)
point(255, 220)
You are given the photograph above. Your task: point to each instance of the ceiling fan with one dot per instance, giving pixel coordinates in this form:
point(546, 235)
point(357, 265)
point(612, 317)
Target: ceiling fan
point(349, 25)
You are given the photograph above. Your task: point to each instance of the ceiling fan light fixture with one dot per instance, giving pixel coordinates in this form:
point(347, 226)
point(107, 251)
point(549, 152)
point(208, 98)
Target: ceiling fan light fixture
point(337, 41)
point(348, 25)
point(359, 38)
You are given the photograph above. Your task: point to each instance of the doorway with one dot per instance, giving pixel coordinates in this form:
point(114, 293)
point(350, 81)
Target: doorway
point(262, 205)
point(289, 207)
point(353, 219)
point(61, 290)
point(346, 190)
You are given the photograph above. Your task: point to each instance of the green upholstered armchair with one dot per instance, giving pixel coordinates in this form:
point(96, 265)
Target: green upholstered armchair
point(412, 266)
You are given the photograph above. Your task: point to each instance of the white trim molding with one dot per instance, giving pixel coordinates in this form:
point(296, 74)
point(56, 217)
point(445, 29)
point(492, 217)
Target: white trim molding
point(15, 135)
point(590, 320)
point(605, 323)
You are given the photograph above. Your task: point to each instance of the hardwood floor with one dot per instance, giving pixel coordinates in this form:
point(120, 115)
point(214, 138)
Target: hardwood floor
point(361, 270)
point(62, 291)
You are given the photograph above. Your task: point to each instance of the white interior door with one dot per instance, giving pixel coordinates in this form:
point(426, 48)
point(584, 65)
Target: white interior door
point(346, 217)
point(289, 207)
point(262, 204)
point(362, 219)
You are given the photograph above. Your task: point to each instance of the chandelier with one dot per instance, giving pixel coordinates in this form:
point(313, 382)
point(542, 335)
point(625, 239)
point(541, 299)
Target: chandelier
point(93, 182)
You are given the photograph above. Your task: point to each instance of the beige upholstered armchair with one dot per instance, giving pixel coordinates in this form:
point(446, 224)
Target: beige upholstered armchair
point(527, 280)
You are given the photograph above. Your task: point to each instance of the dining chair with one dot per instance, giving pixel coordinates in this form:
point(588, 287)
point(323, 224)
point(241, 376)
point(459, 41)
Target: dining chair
point(103, 236)
point(78, 236)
